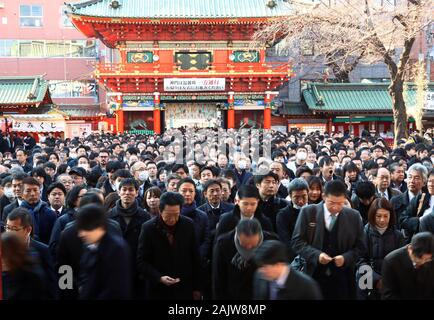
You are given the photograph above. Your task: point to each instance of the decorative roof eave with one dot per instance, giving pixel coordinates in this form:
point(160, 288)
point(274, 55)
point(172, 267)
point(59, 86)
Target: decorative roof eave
point(351, 112)
point(121, 20)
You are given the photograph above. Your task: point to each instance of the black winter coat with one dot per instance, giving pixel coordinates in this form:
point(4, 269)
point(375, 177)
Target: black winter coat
point(105, 273)
point(70, 250)
point(378, 246)
point(271, 207)
point(230, 283)
point(285, 224)
point(131, 233)
point(229, 220)
point(156, 258)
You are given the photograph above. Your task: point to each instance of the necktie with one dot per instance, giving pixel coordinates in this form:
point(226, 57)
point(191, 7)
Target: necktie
point(332, 221)
point(57, 213)
point(274, 289)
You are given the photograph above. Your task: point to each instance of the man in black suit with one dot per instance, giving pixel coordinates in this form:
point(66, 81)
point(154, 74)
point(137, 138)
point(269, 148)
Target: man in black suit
point(408, 272)
point(417, 176)
point(246, 207)
point(275, 280)
point(214, 206)
point(287, 217)
point(17, 188)
point(105, 267)
point(20, 222)
point(330, 238)
point(269, 203)
point(168, 253)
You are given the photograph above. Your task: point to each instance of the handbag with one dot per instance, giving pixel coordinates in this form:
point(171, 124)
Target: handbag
point(299, 263)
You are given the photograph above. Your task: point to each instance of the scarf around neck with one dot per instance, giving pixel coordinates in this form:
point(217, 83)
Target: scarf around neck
point(243, 257)
point(128, 213)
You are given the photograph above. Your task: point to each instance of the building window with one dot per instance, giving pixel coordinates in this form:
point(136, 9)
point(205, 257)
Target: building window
point(72, 89)
point(31, 15)
point(65, 22)
point(6, 48)
point(48, 48)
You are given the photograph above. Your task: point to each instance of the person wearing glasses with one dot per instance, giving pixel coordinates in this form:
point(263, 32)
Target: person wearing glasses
point(19, 222)
point(408, 272)
point(330, 238)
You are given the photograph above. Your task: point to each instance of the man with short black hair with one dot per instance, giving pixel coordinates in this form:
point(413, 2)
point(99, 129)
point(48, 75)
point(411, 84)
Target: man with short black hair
point(269, 204)
point(56, 193)
point(21, 156)
point(408, 272)
point(105, 266)
point(397, 177)
point(130, 218)
point(20, 223)
point(168, 254)
point(17, 188)
point(362, 198)
point(246, 207)
point(327, 169)
point(43, 217)
point(187, 188)
point(332, 249)
point(276, 280)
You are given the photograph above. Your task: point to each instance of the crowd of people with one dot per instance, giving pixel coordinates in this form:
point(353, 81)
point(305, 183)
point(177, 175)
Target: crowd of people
point(217, 215)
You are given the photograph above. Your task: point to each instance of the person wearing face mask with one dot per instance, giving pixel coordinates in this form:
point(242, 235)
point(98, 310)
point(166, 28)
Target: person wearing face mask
point(287, 217)
point(140, 174)
point(283, 173)
point(83, 162)
point(8, 193)
point(300, 159)
point(241, 173)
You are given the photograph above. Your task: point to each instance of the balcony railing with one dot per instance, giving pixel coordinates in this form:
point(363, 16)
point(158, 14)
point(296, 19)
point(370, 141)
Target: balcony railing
point(216, 68)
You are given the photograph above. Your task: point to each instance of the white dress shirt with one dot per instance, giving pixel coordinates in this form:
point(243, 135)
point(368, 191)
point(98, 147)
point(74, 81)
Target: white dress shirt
point(431, 206)
point(411, 195)
point(327, 217)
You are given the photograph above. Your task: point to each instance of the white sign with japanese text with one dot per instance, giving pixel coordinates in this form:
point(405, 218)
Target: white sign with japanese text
point(429, 101)
point(195, 84)
point(38, 126)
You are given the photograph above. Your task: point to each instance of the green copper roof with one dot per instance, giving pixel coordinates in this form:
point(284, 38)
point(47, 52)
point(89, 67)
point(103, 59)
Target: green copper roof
point(22, 90)
point(295, 109)
point(180, 8)
point(361, 97)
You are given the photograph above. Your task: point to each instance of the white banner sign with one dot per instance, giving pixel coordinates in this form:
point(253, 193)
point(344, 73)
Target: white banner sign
point(38, 126)
point(195, 84)
point(429, 101)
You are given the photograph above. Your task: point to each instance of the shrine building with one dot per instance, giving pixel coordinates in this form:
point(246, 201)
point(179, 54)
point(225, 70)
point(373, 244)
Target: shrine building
point(184, 62)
